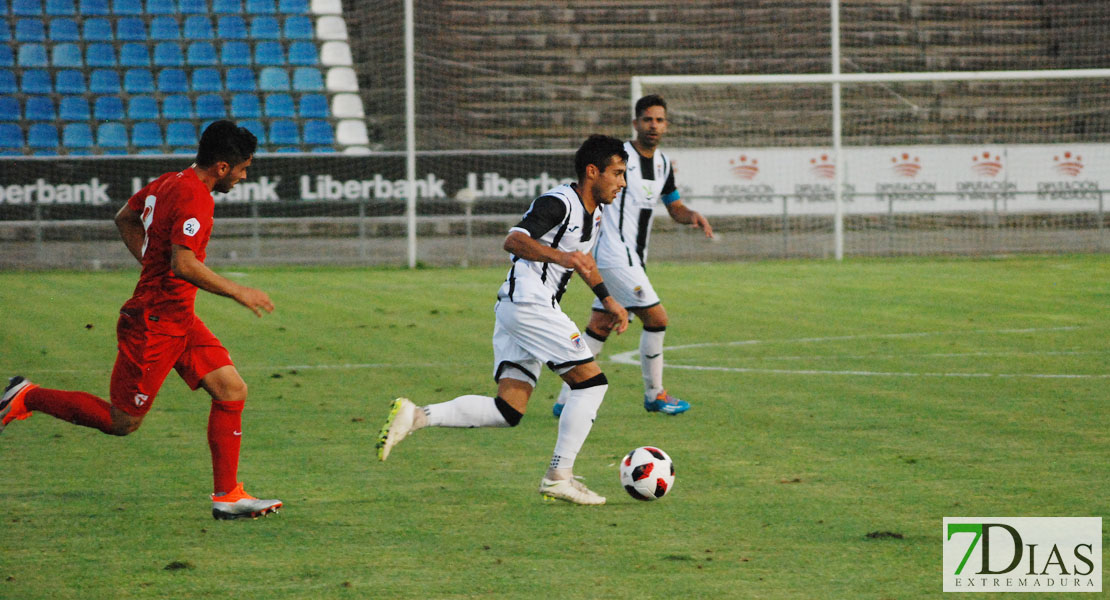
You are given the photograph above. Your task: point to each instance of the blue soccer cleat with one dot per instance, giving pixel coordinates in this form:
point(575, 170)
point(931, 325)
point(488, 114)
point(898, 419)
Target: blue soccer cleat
point(666, 404)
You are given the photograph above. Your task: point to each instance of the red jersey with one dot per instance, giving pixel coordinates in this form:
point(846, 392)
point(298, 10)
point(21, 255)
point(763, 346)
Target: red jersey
point(176, 208)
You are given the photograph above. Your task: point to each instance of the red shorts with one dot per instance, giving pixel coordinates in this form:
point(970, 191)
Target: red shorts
point(145, 359)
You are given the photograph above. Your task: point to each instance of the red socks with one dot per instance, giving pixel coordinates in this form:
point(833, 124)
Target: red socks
point(224, 436)
point(79, 408)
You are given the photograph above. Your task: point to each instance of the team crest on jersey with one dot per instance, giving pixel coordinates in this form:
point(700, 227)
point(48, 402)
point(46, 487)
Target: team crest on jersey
point(576, 340)
point(191, 227)
point(140, 399)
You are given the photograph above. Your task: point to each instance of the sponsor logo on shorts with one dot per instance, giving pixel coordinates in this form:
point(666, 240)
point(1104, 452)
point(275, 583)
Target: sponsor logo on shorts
point(576, 340)
point(639, 291)
point(140, 399)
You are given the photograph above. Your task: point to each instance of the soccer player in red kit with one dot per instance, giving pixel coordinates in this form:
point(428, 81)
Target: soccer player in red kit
point(166, 226)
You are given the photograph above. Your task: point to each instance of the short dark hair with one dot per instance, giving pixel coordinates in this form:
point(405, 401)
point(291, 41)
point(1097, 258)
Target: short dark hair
point(597, 150)
point(649, 101)
point(224, 141)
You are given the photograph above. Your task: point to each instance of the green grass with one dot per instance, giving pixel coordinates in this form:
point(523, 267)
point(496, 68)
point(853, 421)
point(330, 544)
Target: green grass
point(830, 401)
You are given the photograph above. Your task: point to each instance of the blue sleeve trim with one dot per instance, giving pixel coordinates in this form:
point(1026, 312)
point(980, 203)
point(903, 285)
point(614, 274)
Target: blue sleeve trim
point(671, 197)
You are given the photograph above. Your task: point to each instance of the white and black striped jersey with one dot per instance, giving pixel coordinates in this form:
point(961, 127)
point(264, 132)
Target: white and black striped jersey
point(624, 238)
point(557, 219)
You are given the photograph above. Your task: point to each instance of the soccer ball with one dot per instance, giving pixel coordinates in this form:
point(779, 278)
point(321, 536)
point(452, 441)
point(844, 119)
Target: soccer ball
point(647, 473)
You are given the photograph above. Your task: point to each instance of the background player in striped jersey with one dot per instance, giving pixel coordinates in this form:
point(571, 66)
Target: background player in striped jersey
point(166, 226)
point(622, 248)
point(550, 244)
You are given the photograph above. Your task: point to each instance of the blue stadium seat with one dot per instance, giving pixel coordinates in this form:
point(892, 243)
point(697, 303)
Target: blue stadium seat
point(127, 7)
point(65, 30)
point(60, 8)
point(100, 55)
point(303, 53)
point(207, 80)
point(67, 55)
point(256, 128)
point(269, 54)
point(211, 106)
point(9, 108)
point(77, 135)
point(298, 27)
point(131, 29)
point(39, 108)
point(314, 106)
point(231, 27)
point(193, 7)
point(134, 54)
point(235, 53)
point(146, 134)
point(161, 7)
point(168, 54)
point(177, 107)
point(95, 30)
point(164, 28)
point(105, 81)
point(280, 106)
point(181, 133)
point(11, 135)
point(138, 81)
point(223, 7)
point(35, 81)
point(27, 7)
point(293, 7)
point(318, 133)
point(323, 149)
point(240, 79)
point(243, 106)
point(273, 79)
point(73, 108)
point(42, 135)
point(30, 30)
point(198, 28)
point(142, 108)
point(7, 57)
point(111, 135)
point(308, 79)
point(201, 54)
point(261, 7)
point(172, 81)
point(5, 30)
point(108, 108)
point(69, 82)
point(265, 28)
point(7, 82)
point(93, 8)
point(284, 132)
point(32, 55)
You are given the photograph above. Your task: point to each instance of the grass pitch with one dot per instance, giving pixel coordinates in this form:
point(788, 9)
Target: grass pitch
point(840, 411)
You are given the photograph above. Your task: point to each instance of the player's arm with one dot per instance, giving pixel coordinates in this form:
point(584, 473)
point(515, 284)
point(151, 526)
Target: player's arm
point(683, 214)
point(186, 266)
point(130, 225)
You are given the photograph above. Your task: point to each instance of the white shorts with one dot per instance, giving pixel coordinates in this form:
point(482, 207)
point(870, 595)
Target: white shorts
point(528, 336)
point(629, 286)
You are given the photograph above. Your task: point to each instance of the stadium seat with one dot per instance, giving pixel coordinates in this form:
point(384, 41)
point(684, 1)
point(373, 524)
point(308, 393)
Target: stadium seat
point(133, 54)
point(95, 30)
point(269, 54)
point(66, 30)
point(172, 81)
point(5, 30)
point(177, 107)
point(67, 55)
point(42, 135)
point(256, 128)
point(69, 82)
point(265, 28)
point(164, 28)
point(77, 135)
point(127, 7)
point(314, 106)
point(201, 54)
point(142, 108)
point(60, 8)
point(235, 53)
point(100, 55)
point(11, 135)
point(30, 30)
point(231, 27)
point(193, 7)
point(280, 106)
point(211, 106)
point(323, 149)
point(223, 7)
point(273, 79)
point(181, 133)
point(73, 108)
point(352, 132)
point(104, 81)
point(342, 79)
point(93, 8)
point(207, 80)
point(336, 54)
point(161, 7)
point(245, 106)
point(240, 79)
point(9, 108)
point(308, 79)
point(107, 108)
point(39, 108)
point(27, 7)
point(293, 7)
point(168, 54)
point(303, 53)
point(146, 134)
point(331, 28)
point(261, 7)
point(36, 82)
point(298, 27)
point(111, 135)
point(318, 133)
point(138, 81)
point(131, 29)
point(284, 132)
point(198, 28)
point(32, 55)
point(7, 57)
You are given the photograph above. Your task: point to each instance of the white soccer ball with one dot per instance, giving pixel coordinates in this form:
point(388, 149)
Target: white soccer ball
point(647, 473)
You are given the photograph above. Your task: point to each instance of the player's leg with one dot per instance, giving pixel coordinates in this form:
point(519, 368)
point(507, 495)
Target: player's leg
point(656, 398)
point(587, 391)
point(595, 341)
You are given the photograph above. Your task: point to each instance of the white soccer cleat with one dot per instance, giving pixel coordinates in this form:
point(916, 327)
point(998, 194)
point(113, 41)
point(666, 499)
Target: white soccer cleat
point(400, 422)
point(237, 504)
point(570, 490)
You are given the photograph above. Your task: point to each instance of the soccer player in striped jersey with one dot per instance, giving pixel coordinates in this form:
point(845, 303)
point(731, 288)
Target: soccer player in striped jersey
point(622, 248)
point(549, 245)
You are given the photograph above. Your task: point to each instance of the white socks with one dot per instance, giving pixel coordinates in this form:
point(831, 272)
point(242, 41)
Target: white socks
point(575, 423)
point(651, 361)
point(466, 411)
